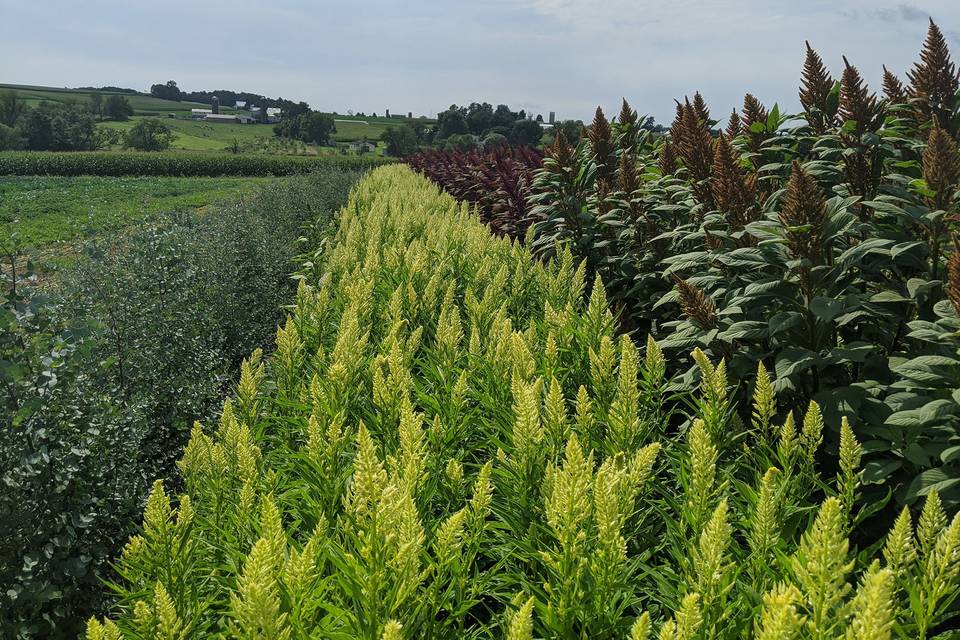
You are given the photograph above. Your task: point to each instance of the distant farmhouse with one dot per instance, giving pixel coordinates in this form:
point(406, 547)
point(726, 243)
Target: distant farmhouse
point(363, 146)
point(213, 114)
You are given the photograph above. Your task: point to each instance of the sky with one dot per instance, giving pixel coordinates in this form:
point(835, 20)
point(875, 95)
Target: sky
point(567, 56)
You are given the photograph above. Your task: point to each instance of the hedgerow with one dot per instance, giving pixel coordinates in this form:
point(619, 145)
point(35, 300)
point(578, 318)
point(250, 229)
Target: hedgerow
point(41, 163)
point(450, 441)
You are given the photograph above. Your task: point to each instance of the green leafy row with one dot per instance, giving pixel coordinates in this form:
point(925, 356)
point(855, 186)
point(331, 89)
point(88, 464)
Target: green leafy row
point(81, 163)
point(450, 441)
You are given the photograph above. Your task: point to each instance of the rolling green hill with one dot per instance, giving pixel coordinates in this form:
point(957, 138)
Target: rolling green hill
point(142, 104)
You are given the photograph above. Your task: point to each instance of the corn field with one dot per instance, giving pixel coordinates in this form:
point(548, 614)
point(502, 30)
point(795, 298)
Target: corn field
point(450, 441)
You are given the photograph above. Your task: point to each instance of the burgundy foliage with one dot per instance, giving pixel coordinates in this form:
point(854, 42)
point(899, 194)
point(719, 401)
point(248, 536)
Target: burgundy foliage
point(497, 180)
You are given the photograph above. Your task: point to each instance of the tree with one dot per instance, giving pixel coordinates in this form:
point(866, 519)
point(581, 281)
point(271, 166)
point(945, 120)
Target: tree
point(316, 127)
point(96, 104)
point(461, 142)
point(451, 122)
point(503, 117)
point(571, 131)
point(148, 134)
point(168, 91)
point(525, 132)
point(117, 108)
point(59, 127)
point(400, 141)
point(313, 127)
point(494, 140)
point(9, 138)
point(479, 118)
point(11, 107)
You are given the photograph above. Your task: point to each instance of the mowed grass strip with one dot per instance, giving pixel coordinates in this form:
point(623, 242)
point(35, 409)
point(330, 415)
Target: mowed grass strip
point(45, 210)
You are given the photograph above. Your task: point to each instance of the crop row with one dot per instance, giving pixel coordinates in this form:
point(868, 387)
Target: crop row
point(451, 441)
point(496, 180)
point(36, 163)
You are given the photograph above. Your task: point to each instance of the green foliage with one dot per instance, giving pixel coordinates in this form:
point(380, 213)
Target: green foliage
point(817, 245)
point(148, 134)
point(525, 133)
point(12, 107)
point(41, 211)
point(461, 142)
point(173, 164)
point(116, 107)
point(101, 382)
point(58, 127)
point(449, 442)
point(312, 127)
point(9, 138)
point(400, 141)
point(166, 91)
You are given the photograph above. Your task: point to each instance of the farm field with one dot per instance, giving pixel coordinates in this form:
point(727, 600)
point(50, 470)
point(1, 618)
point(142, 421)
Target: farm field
point(348, 131)
point(142, 104)
point(196, 135)
point(46, 210)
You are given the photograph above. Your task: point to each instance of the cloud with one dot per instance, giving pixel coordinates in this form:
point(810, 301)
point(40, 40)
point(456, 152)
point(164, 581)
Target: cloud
point(902, 12)
point(566, 56)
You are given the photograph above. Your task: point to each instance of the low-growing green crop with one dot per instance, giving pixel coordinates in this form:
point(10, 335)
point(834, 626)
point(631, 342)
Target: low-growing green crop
point(36, 211)
point(108, 163)
point(450, 442)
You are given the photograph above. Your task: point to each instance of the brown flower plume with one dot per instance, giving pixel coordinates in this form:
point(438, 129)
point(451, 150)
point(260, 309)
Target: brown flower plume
point(601, 143)
point(857, 104)
point(856, 101)
point(803, 215)
point(668, 158)
point(941, 167)
point(700, 107)
point(733, 125)
point(953, 280)
point(753, 112)
point(733, 192)
point(696, 304)
point(816, 85)
point(627, 127)
point(695, 147)
point(893, 89)
point(934, 79)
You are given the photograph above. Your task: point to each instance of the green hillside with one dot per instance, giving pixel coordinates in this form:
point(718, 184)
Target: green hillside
point(142, 104)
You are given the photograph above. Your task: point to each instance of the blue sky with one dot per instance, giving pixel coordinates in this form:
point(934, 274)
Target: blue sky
point(566, 56)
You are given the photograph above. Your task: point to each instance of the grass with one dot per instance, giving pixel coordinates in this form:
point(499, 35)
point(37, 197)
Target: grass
point(46, 210)
point(196, 135)
point(349, 131)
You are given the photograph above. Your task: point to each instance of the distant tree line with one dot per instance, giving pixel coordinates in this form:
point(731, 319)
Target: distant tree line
point(109, 89)
point(469, 127)
point(228, 97)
